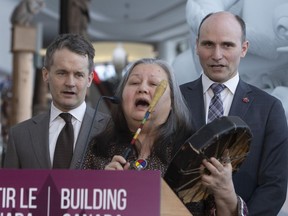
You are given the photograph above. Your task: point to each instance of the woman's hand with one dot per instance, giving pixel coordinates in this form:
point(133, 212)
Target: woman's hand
point(118, 163)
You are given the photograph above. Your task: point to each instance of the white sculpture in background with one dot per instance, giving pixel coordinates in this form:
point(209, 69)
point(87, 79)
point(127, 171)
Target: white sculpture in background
point(266, 63)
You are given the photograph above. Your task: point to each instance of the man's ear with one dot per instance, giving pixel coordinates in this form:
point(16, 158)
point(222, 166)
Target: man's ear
point(90, 79)
point(45, 74)
point(245, 46)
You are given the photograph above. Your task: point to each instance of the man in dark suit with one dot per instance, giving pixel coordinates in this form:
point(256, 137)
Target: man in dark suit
point(262, 178)
point(68, 71)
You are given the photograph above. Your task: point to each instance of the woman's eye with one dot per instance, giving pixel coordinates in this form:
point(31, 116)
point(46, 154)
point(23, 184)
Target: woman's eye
point(133, 83)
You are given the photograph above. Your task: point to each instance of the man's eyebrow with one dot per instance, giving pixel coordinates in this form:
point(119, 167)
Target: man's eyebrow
point(230, 43)
point(206, 41)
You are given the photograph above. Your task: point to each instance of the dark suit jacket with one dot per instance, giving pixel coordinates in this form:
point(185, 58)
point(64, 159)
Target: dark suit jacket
point(28, 146)
point(262, 178)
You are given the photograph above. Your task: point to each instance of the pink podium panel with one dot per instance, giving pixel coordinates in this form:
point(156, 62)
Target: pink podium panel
point(79, 193)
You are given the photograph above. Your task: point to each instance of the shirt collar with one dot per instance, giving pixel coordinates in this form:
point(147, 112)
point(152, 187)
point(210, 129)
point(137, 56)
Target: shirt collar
point(77, 113)
point(230, 84)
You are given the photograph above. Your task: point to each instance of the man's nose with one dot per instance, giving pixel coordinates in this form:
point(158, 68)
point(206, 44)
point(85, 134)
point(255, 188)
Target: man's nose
point(217, 53)
point(70, 80)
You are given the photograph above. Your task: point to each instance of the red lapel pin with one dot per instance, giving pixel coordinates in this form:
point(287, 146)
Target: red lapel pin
point(245, 100)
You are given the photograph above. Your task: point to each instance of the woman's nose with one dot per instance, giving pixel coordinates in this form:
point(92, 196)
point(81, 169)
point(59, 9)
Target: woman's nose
point(143, 89)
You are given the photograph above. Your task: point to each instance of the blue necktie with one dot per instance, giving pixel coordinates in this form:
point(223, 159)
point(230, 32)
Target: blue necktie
point(216, 104)
point(64, 145)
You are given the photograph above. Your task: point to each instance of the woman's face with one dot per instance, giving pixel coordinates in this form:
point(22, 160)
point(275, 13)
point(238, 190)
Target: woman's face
point(138, 94)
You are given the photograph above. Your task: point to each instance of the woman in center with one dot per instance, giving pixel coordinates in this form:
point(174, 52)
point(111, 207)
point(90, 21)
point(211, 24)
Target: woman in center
point(166, 129)
point(168, 124)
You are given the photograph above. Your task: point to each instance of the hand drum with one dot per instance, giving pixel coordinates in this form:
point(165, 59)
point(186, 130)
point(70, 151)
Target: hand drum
point(183, 173)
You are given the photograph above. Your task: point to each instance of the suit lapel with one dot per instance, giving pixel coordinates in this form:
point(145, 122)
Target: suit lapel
point(82, 143)
point(193, 93)
point(39, 133)
point(242, 100)
point(82, 138)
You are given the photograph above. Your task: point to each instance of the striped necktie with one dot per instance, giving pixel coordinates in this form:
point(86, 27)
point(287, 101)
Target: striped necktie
point(216, 104)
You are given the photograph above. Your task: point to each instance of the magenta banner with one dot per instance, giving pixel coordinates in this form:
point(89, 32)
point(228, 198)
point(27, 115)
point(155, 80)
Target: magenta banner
point(79, 193)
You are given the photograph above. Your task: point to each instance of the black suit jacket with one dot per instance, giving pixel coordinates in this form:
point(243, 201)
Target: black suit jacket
point(28, 145)
point(262, 178)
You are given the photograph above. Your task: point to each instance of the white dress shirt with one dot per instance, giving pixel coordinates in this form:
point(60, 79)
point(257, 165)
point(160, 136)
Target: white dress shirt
point(57, 123)
point(226, 95)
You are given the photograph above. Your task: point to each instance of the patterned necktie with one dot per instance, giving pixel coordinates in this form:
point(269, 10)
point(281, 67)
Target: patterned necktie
point(216, 104)
point(64, 145)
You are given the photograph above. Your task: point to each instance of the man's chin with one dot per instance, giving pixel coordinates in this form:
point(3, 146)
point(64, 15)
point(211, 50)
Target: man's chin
point(69, 106)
